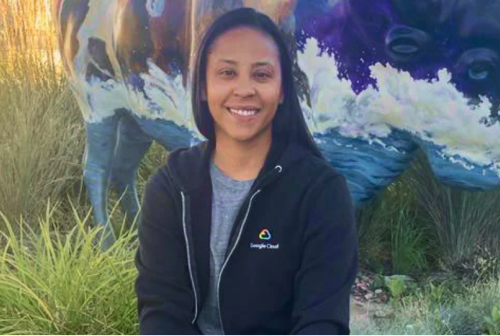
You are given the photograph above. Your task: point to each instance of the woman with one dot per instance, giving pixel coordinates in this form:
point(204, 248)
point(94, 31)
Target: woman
point(251, 232)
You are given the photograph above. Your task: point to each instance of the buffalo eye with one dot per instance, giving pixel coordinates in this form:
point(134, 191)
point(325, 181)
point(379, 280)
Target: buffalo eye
point(479, 64)
point(405, 43)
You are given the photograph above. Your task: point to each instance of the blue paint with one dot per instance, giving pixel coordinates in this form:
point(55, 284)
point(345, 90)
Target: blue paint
point(165, 132)
point(101, 141)
point(368, 168)
point(455, 174)
point(403, 33)
point(363, 32)
point(132, 145)
point(115, 148)
point(136, 82)
point(155, 7)
point(407, 35)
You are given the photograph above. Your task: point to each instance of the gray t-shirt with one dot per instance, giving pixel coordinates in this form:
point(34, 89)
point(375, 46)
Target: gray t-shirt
point(227, 198)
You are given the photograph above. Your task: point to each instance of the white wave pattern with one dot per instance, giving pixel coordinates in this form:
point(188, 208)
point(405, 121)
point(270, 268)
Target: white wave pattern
point(97, 99)
point(168, 98)
point(434, 111)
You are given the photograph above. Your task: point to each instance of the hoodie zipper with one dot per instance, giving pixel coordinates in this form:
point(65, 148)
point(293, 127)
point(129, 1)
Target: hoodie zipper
point(189, 257)
point(229, 257)
point(280, 169)
point(190, 267)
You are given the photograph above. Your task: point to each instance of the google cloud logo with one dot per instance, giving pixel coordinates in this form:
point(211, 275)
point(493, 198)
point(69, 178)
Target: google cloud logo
point(265, 235)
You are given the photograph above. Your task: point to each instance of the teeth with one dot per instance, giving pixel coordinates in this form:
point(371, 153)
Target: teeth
point(246, 113)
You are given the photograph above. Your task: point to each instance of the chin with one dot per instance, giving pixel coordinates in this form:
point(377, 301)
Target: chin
point(246, 137)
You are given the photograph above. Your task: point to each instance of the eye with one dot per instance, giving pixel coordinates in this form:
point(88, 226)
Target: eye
point(404, 43)
point(480, 71)
point(262, 76)
point(480, 65)
point(227, 73)
point(405, 47)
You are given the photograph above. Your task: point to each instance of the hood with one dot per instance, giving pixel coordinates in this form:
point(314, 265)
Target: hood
point(189, 167)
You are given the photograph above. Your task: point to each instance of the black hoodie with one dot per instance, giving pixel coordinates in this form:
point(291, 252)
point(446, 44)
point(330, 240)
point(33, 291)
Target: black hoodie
point(290, 262)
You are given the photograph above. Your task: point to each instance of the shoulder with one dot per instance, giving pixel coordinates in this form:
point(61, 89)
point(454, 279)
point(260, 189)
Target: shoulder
point(315, 171)
point(179, 163)
point(327, 189)
point(188, 167)
point(317, 186)
point(187, 154)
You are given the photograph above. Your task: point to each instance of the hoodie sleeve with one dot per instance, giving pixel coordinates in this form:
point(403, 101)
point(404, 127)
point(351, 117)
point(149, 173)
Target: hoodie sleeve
point(164, 293)
point(329, 262)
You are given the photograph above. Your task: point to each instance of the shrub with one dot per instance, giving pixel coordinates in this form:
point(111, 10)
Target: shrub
point(373, 233)
point(56, 283)
point(41, 131)
point(408, 244)
point(389, 229)
point(481, 265)
point(458, 220)
point(492, 322)
point(41, 143)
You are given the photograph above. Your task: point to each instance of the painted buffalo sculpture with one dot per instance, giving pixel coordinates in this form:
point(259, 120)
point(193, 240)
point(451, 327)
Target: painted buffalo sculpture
point(377, 80)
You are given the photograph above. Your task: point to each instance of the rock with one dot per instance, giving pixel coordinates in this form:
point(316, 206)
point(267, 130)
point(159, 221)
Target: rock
point(368, 296)
point(383, 313)
point(378, 291)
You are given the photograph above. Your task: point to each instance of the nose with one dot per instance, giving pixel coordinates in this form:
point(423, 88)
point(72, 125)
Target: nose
point(480, 65)
point(244, 88)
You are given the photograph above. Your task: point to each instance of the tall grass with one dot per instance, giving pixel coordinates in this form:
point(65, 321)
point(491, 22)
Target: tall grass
point(373, 233)
point(391, 238)
point(408, 240)
point(419, 222)
point(41, 144)
point(54, 283)
point(41, 132)
point(28, 43)
point(460, 220)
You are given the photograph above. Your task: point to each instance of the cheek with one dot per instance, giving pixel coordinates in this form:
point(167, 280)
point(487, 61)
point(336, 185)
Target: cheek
point(214, 93)
point(278, 89)
point(217, 88)
point(273, 95)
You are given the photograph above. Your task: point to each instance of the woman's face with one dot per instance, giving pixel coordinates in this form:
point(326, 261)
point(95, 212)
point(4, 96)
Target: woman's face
point(243, 88)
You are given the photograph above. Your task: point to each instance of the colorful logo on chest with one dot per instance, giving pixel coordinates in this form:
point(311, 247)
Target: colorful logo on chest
point(265, 235)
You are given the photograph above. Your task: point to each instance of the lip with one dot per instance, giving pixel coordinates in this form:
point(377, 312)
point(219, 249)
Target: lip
point(245, 107)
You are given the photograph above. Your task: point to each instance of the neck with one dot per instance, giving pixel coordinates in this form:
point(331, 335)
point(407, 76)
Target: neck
point(241, 160)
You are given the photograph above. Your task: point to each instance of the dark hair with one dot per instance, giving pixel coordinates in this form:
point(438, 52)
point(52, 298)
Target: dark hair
point(288, 123)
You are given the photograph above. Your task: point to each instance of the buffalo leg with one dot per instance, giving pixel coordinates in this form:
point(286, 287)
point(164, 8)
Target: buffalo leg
point(166, 133)
point(132, 145)
point(100, 147)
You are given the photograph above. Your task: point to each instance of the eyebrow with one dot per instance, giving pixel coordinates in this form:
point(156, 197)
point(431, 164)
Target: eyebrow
point(256, 64)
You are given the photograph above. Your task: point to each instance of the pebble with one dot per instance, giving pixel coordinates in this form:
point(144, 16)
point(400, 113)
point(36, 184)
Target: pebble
point(383, 314)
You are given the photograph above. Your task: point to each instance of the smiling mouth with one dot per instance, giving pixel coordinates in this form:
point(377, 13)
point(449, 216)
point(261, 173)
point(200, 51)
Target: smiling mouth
point(244, 112)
